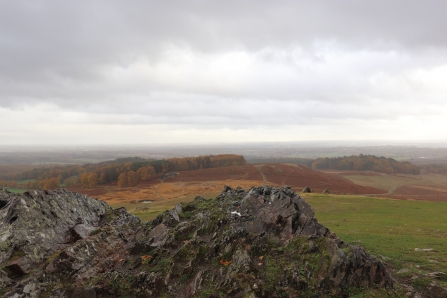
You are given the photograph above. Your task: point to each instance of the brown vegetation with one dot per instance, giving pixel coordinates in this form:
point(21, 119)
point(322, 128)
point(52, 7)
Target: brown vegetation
point(425, 187)
point(7, 172)
point(299, 177)
point(125, 171)
point(8, 183)
point(435, 169)
point(209, 182)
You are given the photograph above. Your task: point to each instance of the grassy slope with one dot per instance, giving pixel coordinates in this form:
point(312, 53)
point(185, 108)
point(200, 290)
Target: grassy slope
point(16, 190)
point(389, 228)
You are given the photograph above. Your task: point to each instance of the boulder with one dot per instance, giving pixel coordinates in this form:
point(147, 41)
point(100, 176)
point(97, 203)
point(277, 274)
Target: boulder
point(307, 190)
point(435, 290)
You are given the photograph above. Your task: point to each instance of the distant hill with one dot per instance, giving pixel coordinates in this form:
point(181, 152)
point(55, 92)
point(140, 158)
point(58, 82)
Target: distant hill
point(366, 163)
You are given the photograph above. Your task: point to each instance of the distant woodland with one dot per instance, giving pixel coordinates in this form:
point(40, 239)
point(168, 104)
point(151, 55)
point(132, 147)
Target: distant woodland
point(123, 171)
point(440, 169)
point(290, 160)
point(130, 171)
point(366, 163)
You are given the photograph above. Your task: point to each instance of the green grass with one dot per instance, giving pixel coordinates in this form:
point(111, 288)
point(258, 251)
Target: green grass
point(385, 227)
point(389, 228)
point(16, 190)
point(151, 210)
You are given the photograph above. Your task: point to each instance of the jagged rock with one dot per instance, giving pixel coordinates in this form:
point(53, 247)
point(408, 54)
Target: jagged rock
point(307, 190)
point(194, 285)
point(82, 231)
point(5, 281)
point(437, 275)
point(326, 191)
point(434, 290)
point(36, 224)
point(158, 235)
point(262, 243)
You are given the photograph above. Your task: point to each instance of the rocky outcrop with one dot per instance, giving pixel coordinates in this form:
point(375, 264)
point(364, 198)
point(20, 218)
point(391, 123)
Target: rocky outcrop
point(261, 243)
point(37, 224)
point(307, 190)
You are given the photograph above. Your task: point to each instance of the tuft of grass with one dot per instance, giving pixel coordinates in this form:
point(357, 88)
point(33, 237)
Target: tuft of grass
point(16, 190)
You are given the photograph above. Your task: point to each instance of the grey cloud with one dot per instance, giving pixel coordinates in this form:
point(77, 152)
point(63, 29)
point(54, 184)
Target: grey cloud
point(222, 63)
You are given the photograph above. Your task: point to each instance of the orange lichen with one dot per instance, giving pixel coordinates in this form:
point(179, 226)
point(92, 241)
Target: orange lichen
point(225, 263)
point(146, 259)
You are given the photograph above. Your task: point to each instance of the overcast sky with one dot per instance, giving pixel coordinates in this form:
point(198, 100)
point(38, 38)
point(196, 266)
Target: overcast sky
point(150, 72)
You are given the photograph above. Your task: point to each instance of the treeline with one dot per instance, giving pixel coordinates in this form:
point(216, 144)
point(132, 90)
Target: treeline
point(435, 169)
point(8, 183)
point(366, 163)
point(125, 171)
point(293, 160)
point(8, 171)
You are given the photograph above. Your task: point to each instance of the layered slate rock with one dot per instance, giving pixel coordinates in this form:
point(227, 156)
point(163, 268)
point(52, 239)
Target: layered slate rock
point(37, 224)
point(262, 243)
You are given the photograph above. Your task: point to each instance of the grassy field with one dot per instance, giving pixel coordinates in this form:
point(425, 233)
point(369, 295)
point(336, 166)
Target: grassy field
point(393, 230)
point(16, 190)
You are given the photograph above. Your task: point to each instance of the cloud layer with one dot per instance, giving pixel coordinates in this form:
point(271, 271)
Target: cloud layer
point(109, 72)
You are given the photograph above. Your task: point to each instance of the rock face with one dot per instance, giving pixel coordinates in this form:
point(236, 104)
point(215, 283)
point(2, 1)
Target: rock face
point(261, 243)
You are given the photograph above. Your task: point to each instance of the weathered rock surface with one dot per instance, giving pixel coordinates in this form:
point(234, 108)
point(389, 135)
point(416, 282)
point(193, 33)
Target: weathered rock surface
point(307, 190)
point(261, 243)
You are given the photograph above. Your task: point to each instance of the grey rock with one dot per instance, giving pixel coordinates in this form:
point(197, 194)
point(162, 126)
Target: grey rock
point(5, 281)
point(37, 223)
point(435, 290)
point(436, 275)
point(82, 231)
point(47, 239)
point(306, 190)
point(158, 234)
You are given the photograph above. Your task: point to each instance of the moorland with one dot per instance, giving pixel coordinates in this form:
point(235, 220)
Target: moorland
point(397, 216)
